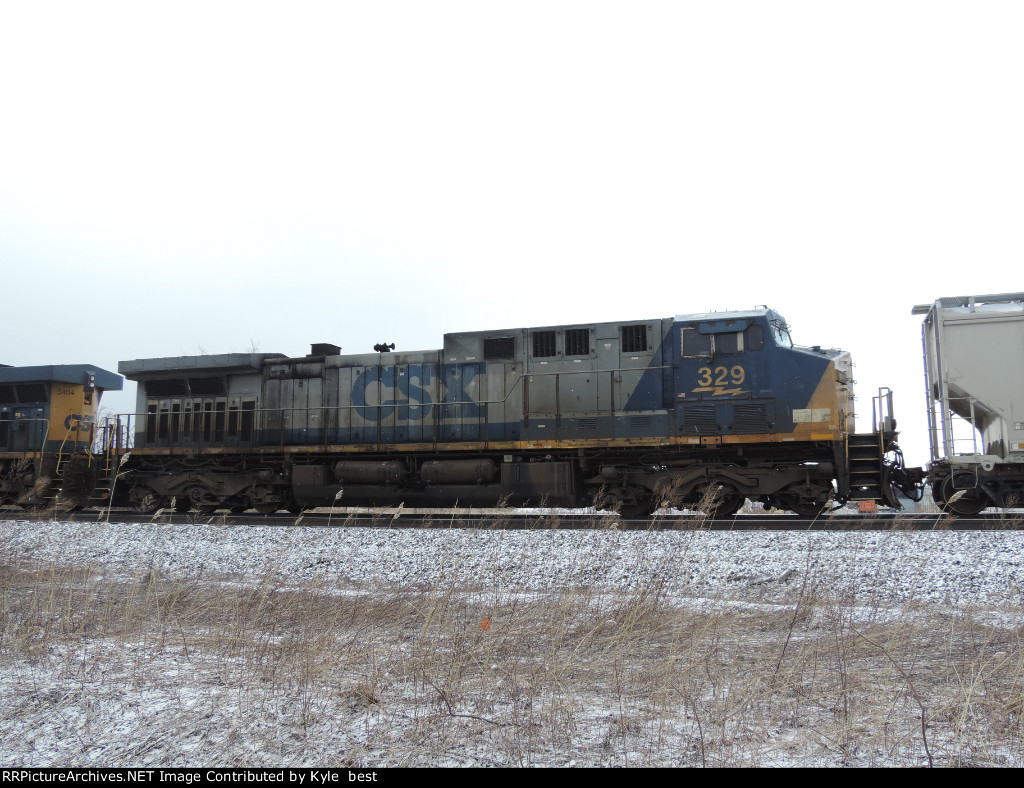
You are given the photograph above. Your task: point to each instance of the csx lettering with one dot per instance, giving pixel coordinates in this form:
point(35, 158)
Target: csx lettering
point(385, 376)
point(415, 402)
point(77, 421)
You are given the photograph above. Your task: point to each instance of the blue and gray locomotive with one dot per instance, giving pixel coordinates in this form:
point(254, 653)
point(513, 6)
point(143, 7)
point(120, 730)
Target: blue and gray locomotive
point(698, 411)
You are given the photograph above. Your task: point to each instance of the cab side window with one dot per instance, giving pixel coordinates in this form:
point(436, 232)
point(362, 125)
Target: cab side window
point(695, 344)
point(724, 343)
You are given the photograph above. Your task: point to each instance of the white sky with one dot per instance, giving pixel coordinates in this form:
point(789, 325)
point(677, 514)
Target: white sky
point(199, 177)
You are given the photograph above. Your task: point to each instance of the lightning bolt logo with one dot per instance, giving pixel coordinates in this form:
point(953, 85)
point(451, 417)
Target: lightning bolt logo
point(718, 391)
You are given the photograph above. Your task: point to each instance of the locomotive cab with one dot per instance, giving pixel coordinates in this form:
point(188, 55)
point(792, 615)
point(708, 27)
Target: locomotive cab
point(738, 376)
point(47, 428)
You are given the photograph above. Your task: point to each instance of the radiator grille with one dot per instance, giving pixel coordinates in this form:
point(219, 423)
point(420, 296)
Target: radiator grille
point(699, 419)
point(577, 341)
point(749, 418)
point(543, 344)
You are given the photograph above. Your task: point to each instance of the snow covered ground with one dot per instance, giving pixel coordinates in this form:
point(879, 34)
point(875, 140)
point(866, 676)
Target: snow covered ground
point(541, 647)
point(973, 567)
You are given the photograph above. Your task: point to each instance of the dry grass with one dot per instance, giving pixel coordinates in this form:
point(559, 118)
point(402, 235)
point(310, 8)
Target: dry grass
point(154, 670)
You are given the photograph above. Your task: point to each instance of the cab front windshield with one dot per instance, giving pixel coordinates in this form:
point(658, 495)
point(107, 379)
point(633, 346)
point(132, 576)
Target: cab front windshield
point(781, 332)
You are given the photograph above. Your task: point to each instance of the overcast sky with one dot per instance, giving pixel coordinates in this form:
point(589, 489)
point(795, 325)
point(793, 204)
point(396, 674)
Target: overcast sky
point(208, 177)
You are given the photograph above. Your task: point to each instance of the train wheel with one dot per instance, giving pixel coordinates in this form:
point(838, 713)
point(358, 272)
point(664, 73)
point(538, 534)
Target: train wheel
point(630, 503)
point(150, 503)
point(198, 499)
point(267, 508)
point(720, 501)
point(962, 500)
point(805, 509)
point(637, 507)
point(727, 507)
point(791, 498)
point(182, 504)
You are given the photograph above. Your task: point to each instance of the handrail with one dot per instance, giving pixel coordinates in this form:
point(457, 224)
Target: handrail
point(183, 423)
point(38, 429)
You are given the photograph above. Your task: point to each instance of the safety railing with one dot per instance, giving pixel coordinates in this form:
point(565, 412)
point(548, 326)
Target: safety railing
point(429, 420)
point(25, 435)
point(882, 419)
point(318, 425)
point(114, 434)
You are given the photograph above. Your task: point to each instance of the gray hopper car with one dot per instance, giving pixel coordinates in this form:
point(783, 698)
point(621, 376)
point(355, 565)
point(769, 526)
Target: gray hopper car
point(974, 375)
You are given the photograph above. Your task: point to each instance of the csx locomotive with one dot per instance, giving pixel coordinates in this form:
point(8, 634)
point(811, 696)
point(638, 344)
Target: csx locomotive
point(698, 411)
point(48, 418)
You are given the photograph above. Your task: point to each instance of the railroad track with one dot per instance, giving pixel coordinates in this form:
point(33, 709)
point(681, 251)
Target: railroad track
point(500, 519)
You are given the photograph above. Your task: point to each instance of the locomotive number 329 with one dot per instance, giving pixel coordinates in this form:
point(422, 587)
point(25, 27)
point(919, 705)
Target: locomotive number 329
point(721, 376)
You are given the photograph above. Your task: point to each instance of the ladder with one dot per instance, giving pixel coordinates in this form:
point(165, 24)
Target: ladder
point(107, 464)
point(864, 457)
point(865, 452)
